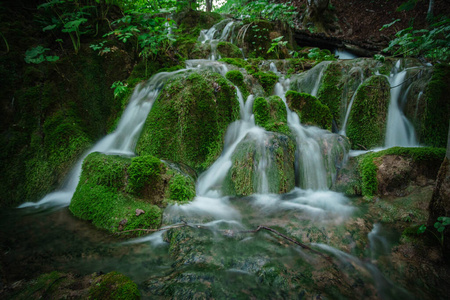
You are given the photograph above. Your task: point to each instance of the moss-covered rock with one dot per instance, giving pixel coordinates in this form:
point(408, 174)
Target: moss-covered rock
point(226, 49)
point(262, 163)
point(330, 91)
point(367, 122)
point(309, 109)
point(112, 188)
point(271, 114)
point(434, 127)
point(114, 286)
point(267, 80)
point(393, 171)
point(188, 121)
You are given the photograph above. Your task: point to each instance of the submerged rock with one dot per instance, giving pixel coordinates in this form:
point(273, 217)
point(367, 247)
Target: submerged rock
point(263, 162)
point(188, 121)
point(119, 194)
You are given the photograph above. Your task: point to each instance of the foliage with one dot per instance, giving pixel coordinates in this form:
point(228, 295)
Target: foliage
point(120, 88)
point(432, 43)
point(440, 226)
point(277, 45)
point(320, 55)
point(36, 55)
point(261, 9)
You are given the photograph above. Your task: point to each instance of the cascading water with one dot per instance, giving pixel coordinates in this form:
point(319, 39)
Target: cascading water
point(122, 141)
point(349, 107)
point(208, 36)
point(399, 130)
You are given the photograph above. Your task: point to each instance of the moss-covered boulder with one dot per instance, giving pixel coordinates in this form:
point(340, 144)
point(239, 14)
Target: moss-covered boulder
point(330, 91)
point(226, 49)
point(113, 191)
point(310, 110)
point(188, 121)
point(114, 285)
point(266, 79)
point(367, 122)
point(271, 114)
point(391, 172)
point(436, 112)
point(263, 162)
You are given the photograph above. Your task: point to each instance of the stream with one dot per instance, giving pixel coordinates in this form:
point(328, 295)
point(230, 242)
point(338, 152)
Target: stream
point(217, 256)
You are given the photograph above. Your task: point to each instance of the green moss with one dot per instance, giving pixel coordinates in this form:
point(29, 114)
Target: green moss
point(330, 90)
point(238, 62)
point(271, 114)
point(112, 188)
point(144, 171)
point(309, 109)
point(226, 49)
point(437, 110)
point(368, 168)
point(187, 123)
point(114, 286)
point(181, 188)
point(267, 80)
point(366, 126)
point(236, 77)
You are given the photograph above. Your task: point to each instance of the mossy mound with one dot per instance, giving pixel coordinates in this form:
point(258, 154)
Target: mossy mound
point(112, 188)
point(271, 114)
point(367, 122)
point(226, 49)
point(188, 121)
point(274, 153)
point(310, 110)
point(266, 79)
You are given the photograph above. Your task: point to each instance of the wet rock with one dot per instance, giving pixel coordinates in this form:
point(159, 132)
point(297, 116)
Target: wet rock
point(261, 161)
point(188, 122)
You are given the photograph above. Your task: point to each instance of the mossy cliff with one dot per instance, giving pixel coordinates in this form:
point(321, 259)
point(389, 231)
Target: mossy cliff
point(112, 188)
point(391, 172)
point(309, 109)
point(262, 154)
point(187, 123)
point(367, 122)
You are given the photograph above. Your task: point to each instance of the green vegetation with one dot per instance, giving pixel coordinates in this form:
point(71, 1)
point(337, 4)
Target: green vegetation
point(112, 188)
point(434, 128)
point(309, 109)
point(188, 121)
point(238, 62)
point(368, 168)
point(114, 286)
point(271, 114)
point(226, 49)
point(367, 122)
point(330, 91)
point(440, 225)
point(267, 80)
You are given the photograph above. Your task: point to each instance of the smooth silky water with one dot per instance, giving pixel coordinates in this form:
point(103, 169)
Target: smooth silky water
point(44, 236)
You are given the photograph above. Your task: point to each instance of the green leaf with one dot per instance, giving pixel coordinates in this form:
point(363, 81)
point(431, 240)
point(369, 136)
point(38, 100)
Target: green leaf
point(52, 58)
point(421, 229)
point(49, 27)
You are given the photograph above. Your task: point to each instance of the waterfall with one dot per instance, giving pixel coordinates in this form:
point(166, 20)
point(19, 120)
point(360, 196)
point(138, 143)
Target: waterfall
point(349, 107)
point(399, 130)
point(208, 36)
point(122, 141)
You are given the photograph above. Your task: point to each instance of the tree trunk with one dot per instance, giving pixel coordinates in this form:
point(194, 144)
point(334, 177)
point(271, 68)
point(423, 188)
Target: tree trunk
point(209, 5)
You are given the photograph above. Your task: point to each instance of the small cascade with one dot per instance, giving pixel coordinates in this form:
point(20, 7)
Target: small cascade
point(309, 82)
point(121, 142)
point(399, 130)
point(310, 167)
point(210, 36)
point(344, 54)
